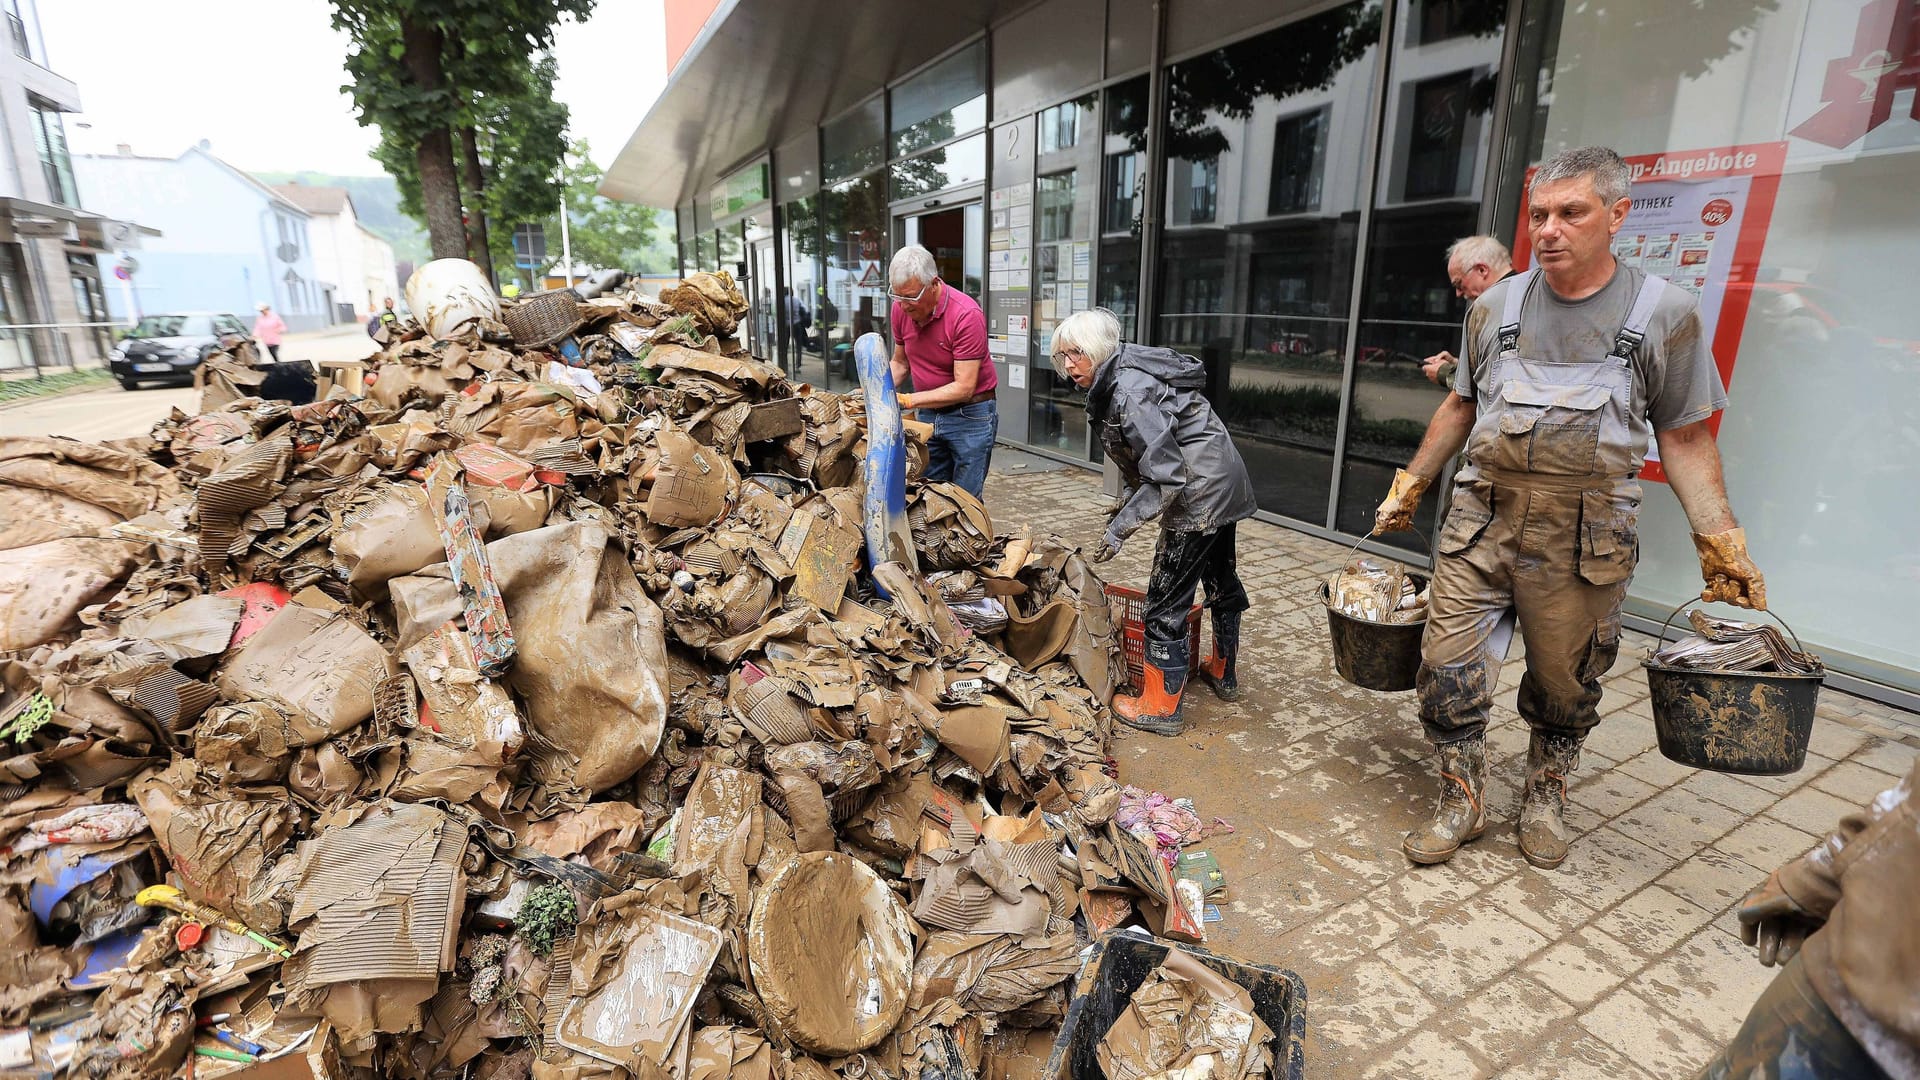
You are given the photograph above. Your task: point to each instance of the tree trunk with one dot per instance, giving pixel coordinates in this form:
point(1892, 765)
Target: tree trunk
point(482, 254)
point(439, 181)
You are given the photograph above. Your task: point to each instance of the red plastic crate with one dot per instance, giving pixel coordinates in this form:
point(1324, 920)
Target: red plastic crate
point(1129, 607)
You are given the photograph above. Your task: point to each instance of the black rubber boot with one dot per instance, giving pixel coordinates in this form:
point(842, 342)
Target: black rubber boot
point(1221, 668)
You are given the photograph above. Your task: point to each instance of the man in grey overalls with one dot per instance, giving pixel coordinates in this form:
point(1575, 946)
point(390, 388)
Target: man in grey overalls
point(1568, 370)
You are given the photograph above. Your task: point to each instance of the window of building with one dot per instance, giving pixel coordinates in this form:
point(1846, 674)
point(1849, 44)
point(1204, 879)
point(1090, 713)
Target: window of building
point(811, 317)
point(946, 100)
point(1122, 180)
point(1437, 138)
point(854, 243)
point(1121, 213)
point(953, 165)
point(1435, 21)
point(1299, 162)
point(1053, 199)
point(1060, 125)
point(1203, 190)
point(50, 141)
point(17, 33)
point(854, 143)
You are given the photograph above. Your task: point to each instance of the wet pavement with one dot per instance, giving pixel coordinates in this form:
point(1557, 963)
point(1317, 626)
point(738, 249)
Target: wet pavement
point(1625, 962)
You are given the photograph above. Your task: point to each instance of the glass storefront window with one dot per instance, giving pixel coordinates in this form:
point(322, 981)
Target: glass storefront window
point(1433, 156)
point(1066, 231)
point(805, 306)
point(963, 162)
point(853, 217)
point(1263, 297)
point(854, 143)
point(1122, 180)
point(704, 253)
point(947, 99)
point(1819, 441)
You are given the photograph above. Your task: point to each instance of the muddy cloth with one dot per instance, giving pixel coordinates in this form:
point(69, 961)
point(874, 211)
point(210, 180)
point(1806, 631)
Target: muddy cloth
point(1175, 455)
point(1181, 562)
point(1791, 1032)
point(1865, 961)
point(1545, 514)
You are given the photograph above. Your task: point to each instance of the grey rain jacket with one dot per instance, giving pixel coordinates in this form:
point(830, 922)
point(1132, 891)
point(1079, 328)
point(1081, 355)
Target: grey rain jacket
point(1175, 455)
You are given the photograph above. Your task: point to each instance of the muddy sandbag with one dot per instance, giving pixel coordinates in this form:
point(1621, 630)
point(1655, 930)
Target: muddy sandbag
point(43, 587)
point(592, 659)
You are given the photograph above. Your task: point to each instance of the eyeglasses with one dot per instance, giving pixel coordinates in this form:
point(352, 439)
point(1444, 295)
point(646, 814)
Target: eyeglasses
point(915, 298)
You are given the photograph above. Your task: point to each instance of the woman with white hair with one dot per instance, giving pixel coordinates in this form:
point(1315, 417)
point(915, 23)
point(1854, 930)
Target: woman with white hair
point(1181, 466)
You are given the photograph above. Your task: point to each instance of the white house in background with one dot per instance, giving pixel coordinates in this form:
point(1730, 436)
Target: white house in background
point(358, 263)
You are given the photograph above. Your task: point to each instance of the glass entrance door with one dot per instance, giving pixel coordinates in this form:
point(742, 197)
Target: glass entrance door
point(956, 235)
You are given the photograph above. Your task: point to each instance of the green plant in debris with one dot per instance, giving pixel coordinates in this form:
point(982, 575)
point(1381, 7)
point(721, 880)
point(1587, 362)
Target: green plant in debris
point(548, 915)
point(32, 715)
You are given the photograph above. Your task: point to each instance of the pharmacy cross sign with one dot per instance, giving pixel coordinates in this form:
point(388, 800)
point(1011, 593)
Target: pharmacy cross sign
point(1859, 88)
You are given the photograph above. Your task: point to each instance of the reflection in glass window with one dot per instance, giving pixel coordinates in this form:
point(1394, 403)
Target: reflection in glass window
point(804, 305)
point(854, 143)
point(1117, 284)
point(1256, 280)
point(1122, 208)
point(1054, 201)
point(1060, 125)
point(853, 219)
point(964, 162)
point(945, 100)
point(1299, 160)
point(1437, 137)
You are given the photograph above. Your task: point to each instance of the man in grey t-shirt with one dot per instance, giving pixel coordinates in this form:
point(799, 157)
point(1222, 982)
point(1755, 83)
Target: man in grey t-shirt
point(1570, 370)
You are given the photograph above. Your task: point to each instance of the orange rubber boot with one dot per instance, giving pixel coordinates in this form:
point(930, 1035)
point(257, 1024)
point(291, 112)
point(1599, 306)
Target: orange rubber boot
point(1157, 709)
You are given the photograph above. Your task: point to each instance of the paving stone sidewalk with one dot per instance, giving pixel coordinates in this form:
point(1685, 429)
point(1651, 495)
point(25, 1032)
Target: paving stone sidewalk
point(1625, 962)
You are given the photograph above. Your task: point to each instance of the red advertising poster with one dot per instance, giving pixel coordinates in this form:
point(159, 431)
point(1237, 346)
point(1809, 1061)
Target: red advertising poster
point(1699, 219)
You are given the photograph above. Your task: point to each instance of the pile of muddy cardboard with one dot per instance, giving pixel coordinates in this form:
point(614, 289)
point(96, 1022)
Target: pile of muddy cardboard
point(540, 705)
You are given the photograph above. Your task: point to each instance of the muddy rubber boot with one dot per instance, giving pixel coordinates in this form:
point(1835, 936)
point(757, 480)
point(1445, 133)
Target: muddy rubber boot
point(1157, 709)
point(1221, 672)
point(1462, 812)
point(1543, 827)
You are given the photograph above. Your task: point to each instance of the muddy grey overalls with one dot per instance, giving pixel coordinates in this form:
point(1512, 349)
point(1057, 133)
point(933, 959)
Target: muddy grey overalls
point(1543, 527)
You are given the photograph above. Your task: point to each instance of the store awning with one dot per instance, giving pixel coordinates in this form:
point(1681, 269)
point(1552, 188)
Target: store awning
point(24, 218)
point(764, 71)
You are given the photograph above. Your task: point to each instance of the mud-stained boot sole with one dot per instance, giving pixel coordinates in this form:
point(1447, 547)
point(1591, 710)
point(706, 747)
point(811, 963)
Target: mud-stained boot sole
point(1544, 862)
point(1155, 725)
point(1420, 857)
point(1225, 693)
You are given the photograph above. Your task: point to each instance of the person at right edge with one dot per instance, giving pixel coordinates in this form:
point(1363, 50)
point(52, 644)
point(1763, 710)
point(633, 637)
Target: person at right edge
point(1570, 369)
point(1839, 922)
point(1180, 465)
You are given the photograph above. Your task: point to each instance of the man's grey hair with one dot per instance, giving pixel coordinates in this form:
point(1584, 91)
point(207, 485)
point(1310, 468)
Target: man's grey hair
point(911, 263)
point(1611, 180)
point(1095, 332)
point(1470, 251)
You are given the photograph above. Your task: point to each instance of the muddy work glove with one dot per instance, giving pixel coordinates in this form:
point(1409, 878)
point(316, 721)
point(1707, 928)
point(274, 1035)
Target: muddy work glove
point(1774, 923)
point(1729, 573)
point(1396, 511)
point(1109, 547)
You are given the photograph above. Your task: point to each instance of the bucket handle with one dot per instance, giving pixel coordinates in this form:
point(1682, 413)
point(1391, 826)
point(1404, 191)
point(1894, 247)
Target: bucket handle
point(1694, 601)
point(1356, 546)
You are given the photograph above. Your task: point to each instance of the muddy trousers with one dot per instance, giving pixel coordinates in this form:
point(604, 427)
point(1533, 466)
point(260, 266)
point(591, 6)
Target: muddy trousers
point(1183, 561)
point(1554, 561)
point(1791, 1034)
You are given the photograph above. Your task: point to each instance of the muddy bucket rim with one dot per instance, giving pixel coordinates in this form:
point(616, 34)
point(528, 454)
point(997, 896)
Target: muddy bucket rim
point(1694, 602)
point(1325, 595)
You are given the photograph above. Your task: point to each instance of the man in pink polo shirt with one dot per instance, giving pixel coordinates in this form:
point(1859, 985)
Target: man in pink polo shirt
point(940, 336)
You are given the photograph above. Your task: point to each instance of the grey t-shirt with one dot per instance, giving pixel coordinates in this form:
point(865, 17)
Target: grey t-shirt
point(1675, 382)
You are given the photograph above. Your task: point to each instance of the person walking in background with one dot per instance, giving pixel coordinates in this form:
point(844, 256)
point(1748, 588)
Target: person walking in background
point(269, 329)
point(1474, 265)
point(1180, 465)
point(384, 320)
point(940, 336)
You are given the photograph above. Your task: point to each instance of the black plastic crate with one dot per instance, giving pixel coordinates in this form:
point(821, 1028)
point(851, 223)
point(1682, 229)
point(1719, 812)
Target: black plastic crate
point(1121, 962)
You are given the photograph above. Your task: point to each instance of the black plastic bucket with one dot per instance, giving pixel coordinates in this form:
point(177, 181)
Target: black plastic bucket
point(1756, 723)
point(1374, 655)
point(1121, 962)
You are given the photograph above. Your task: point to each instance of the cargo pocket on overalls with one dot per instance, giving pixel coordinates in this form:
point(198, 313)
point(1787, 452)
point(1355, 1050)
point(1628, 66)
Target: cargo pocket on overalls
point(1559, 423)
point(1466, 520)
point(1609, 539)
point(1602, 651)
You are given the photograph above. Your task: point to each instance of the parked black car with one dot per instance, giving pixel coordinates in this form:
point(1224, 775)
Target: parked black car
point(168, 348)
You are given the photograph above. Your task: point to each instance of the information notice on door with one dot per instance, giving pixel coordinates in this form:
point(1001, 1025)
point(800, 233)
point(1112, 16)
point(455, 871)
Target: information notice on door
point(1699, 219)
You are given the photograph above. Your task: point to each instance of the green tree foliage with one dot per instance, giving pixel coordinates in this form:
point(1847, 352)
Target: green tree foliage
point(606, 234)
point(423, 71)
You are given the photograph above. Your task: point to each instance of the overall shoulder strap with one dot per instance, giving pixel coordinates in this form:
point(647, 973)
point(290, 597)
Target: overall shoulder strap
point(1517, 288)
point(1634, 331)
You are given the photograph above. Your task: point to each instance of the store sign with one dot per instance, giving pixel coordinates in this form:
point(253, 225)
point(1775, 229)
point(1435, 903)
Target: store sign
point(1859, 86)
point(739, 192)
point(1699, 219)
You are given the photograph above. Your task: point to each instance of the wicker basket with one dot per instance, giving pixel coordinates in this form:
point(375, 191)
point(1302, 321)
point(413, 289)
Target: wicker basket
point(539, 320)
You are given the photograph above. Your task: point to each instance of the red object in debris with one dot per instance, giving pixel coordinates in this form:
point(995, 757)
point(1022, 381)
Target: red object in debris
point(189, 935)
point(263, 601)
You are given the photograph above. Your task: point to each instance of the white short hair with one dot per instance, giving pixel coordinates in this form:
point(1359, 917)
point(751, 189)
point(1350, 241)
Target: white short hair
point(912, 263)
point(1095, 332)
point(1470, 250)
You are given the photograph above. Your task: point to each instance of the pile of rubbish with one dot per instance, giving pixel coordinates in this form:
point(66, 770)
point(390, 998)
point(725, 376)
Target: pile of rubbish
point(536, 715)
point(1379, 591)
point(1731, 645)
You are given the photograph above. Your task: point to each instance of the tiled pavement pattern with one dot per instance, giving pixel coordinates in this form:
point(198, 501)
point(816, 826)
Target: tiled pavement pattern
point(1625, 962)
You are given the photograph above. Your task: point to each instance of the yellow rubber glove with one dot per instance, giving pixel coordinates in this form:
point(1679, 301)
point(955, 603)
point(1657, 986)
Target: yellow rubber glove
point(1396, 510)
point(1729, 573)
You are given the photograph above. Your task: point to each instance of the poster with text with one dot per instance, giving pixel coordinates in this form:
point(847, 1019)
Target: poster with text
point(1699, 219)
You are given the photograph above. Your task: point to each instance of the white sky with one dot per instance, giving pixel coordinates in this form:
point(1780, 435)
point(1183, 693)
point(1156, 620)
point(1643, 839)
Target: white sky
point(260, 79)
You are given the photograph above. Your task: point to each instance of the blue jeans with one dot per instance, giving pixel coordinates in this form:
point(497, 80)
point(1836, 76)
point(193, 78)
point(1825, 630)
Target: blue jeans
point(962, 445)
